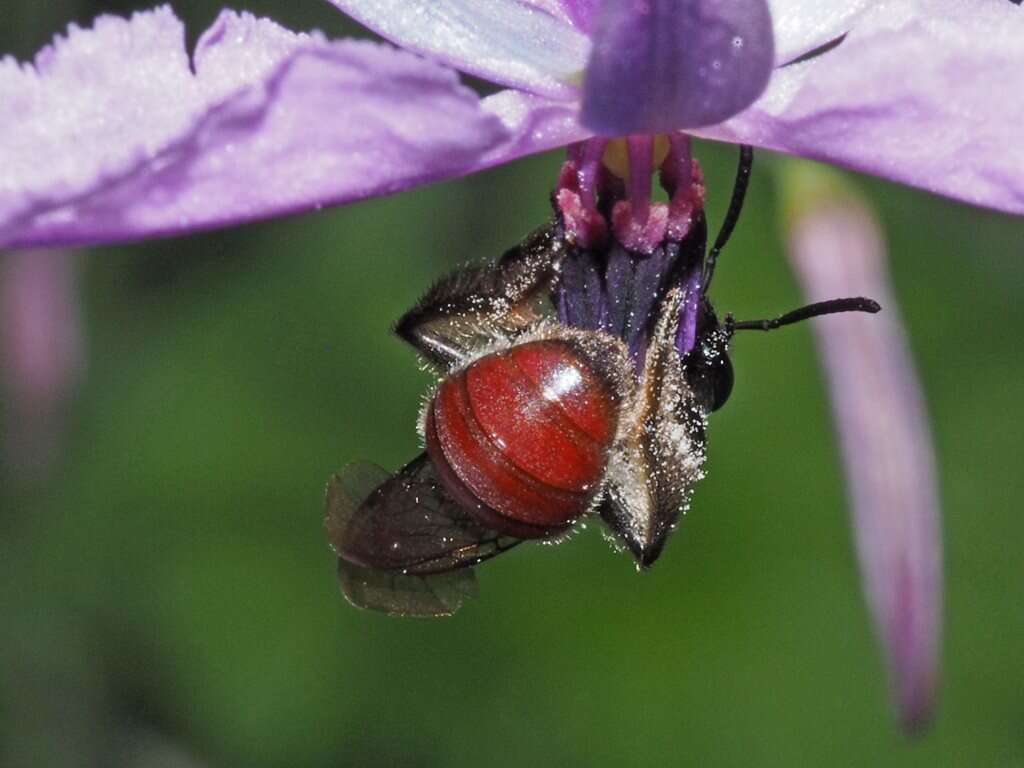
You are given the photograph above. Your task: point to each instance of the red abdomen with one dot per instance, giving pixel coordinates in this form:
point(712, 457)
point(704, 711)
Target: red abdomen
point(525, 432)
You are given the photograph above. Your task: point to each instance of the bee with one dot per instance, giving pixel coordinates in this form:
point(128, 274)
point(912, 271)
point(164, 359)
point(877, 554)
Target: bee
point(575, 383)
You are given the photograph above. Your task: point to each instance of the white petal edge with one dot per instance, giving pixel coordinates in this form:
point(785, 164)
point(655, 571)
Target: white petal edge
point(271, 122)
point(516, 44)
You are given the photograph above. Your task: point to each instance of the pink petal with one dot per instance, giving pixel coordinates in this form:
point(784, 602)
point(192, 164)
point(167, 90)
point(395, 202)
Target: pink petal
point(116, 138)
point(925, 92)
point(40, 353)
point(803, 25)
point(837, 250)
point(514, 43)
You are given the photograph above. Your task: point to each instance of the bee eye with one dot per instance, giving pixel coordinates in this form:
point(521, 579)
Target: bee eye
point(721, 380)
point(710, 376)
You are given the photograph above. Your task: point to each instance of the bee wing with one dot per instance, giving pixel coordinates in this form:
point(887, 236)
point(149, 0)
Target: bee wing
point(479, 304)
point(398, 594)
point(403, 545)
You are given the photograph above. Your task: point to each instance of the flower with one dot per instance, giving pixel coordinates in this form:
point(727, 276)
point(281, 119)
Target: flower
point(121, 135)
point(141, 139)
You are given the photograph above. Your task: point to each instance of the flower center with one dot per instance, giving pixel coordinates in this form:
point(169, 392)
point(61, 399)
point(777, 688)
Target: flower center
point(605, 188)
point(625, 250)
point(616, 154)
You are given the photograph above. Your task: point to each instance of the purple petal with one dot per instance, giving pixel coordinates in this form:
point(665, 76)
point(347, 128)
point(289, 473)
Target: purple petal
point(270, 122)
point(659, 65)
point(510, 42)
point(41, 346)
point(803, 25)
point(535, 124)
point(925, 92)
point(837, 250)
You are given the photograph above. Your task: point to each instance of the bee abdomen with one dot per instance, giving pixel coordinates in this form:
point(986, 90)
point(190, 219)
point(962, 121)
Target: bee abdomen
point(524, 434)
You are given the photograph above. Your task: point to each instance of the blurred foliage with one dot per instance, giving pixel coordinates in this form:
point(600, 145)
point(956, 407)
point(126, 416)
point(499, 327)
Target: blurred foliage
point(168, 599)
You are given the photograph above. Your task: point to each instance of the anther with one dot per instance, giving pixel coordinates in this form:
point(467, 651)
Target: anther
point(683, 180)
point(578, 191)
point(638, 225)
point(606, 185)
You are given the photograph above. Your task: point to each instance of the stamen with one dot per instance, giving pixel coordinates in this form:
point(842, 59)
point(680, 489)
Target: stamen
point(616, 155)
point(677, 166)
point(683, 180)
point(640, 150)
point(605, 179)
point(637, 224)
point(577, 194)
point(590, 171)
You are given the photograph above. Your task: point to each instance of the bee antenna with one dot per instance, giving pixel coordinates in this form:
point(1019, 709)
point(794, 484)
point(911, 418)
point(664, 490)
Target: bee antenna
point(830, 307)
point(739, 192)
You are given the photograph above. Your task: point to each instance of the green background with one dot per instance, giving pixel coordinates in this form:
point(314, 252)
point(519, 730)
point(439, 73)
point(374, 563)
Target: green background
point(167, 597)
